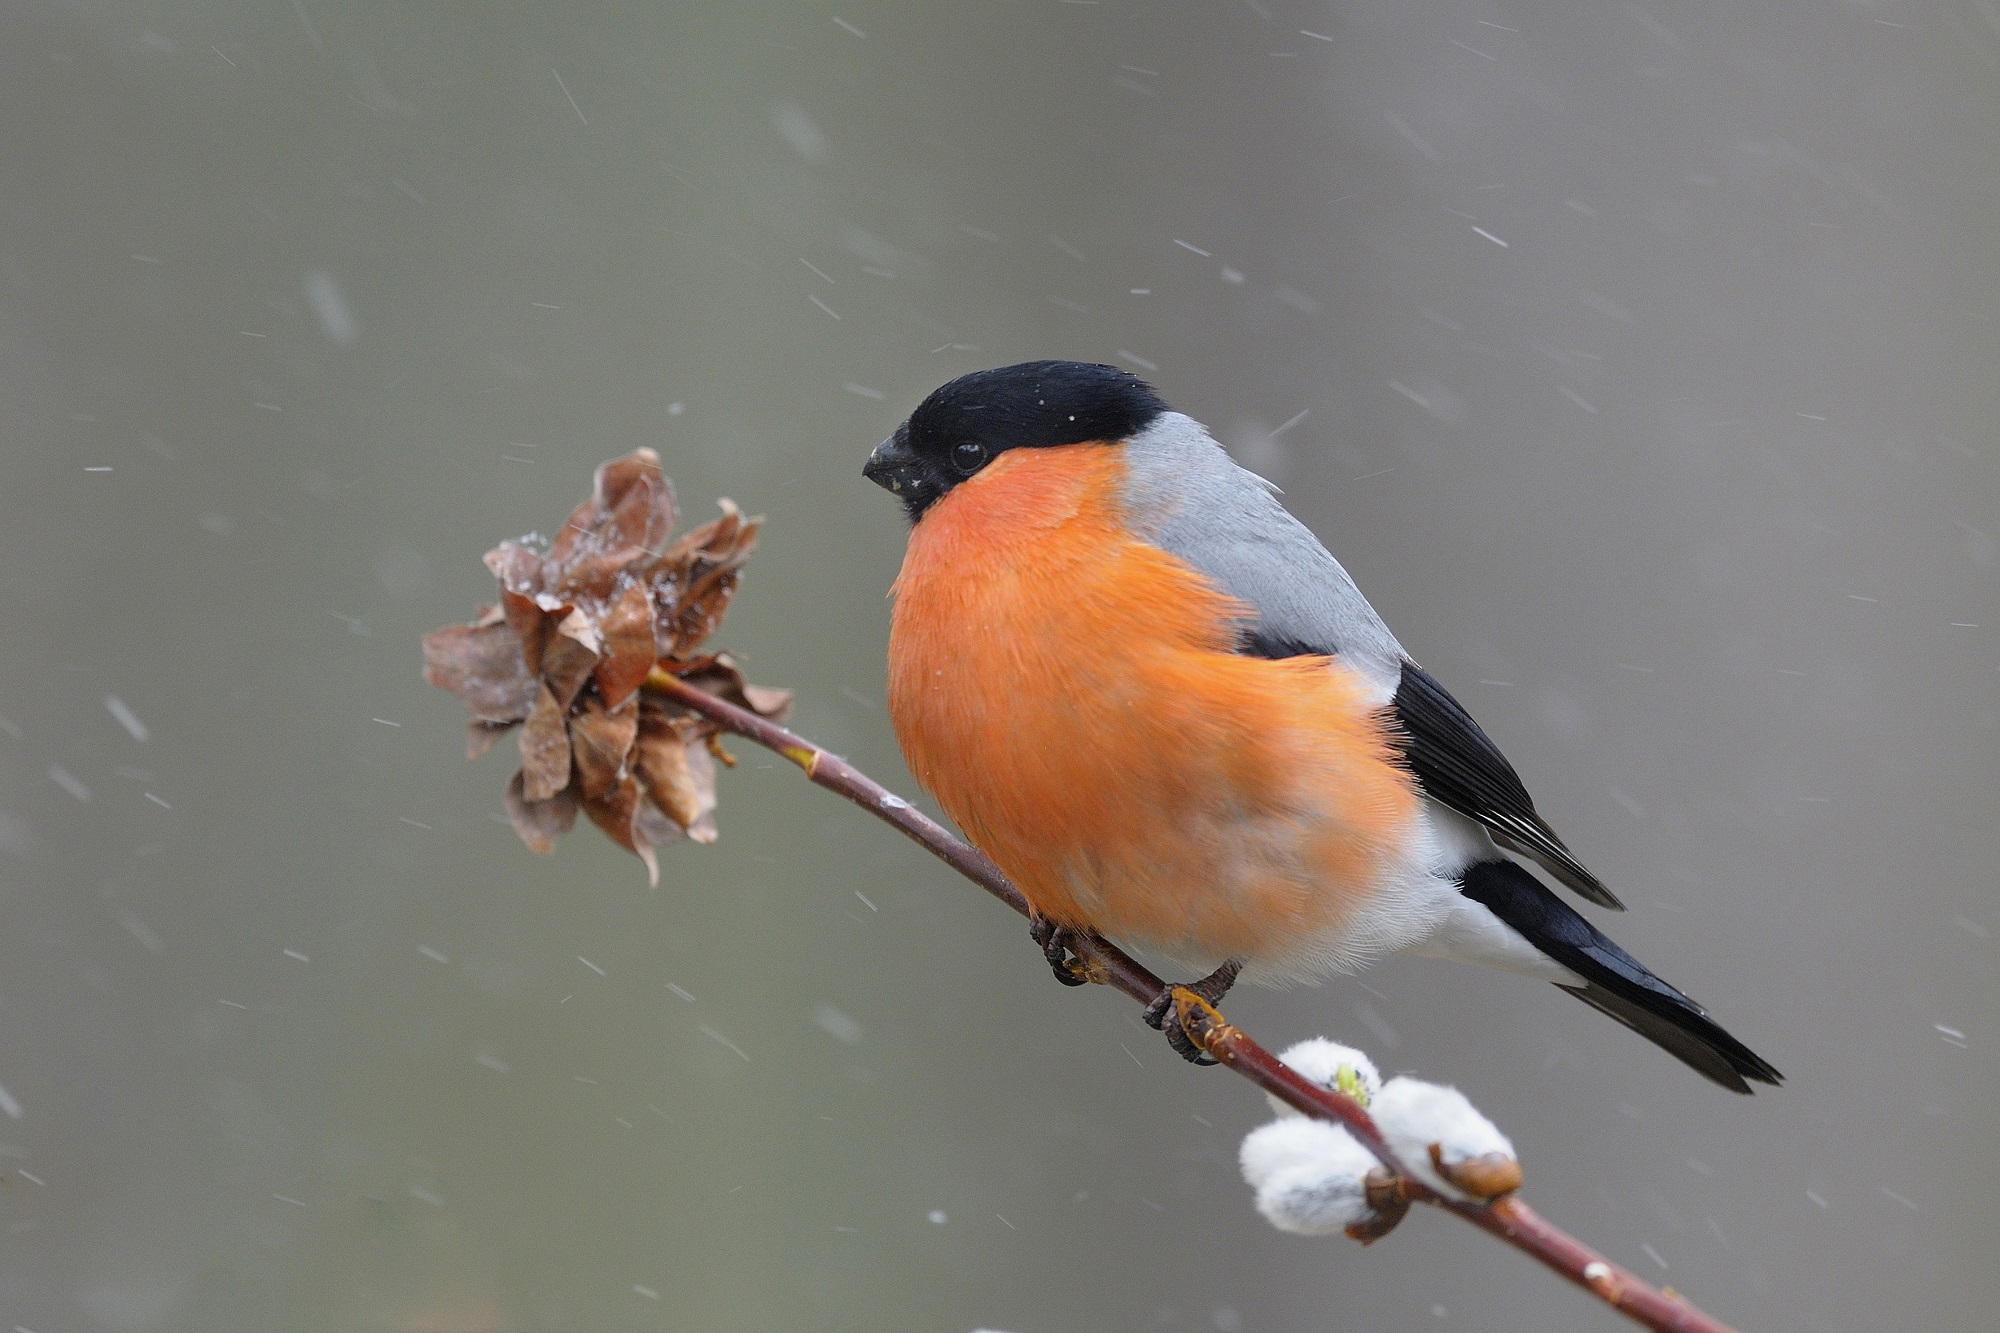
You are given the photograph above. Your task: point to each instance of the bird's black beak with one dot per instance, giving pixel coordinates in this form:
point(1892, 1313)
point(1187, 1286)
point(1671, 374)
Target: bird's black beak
point(893, 466)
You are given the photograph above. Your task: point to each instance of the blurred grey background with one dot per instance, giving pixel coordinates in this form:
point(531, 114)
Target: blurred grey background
point(1639, 359)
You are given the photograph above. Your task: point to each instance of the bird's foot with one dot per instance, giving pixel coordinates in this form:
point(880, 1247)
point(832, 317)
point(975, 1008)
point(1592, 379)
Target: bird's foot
point(1163, 1015)
point(1058, 946)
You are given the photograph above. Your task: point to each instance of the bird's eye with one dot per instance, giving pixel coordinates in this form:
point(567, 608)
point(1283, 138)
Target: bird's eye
point(968, 456)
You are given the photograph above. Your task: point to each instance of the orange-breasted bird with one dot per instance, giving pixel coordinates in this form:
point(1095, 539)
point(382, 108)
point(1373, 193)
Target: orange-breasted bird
point(1156, 701)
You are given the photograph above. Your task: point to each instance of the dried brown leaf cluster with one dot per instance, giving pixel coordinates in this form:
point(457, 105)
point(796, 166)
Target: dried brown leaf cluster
point(566, 653)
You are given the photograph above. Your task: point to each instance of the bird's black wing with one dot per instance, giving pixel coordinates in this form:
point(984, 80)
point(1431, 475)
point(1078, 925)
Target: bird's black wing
point(1612, 980)
point(1458, 765)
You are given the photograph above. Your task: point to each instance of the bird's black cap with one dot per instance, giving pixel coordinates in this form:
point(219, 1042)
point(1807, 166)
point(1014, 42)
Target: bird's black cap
point(1035, 405)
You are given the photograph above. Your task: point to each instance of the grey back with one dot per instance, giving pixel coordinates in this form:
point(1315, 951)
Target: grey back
point(1187, 496)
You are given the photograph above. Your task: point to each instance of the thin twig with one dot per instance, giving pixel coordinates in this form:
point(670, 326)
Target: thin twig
point(1506, 1217)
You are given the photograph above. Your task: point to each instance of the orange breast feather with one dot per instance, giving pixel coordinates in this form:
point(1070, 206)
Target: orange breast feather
point(1069, 695)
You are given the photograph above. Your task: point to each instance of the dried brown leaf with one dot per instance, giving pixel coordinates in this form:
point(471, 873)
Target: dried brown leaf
point(696, 577)
point(530, 623)
point(592, 578)
point(544, 749)
point(582, 628)
point(601, 739)
point(656, 828)
point(631, 821)
point(720, 676)
point(701, 772)
point(627, 634)
point(664, 762)
point(638, 497)
point(570, 657)
point(516, 567)
point(482, 736)
point(613, 812)
point(540, 823)
point(628, 516)
point(568, 649)
point(482, 665)
point(768, 701)
point(701, 610)
point(713, 539)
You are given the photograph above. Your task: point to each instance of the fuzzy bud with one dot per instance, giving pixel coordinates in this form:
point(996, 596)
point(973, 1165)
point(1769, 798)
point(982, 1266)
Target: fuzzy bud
point(1444, 1141)
point(1310, 1176)
point(1328, 1064)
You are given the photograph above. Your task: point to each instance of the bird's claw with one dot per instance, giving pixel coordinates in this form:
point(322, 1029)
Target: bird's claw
point(1073, 968)
point(1064, 961)
point(1161, 1013)
point(1209, 990)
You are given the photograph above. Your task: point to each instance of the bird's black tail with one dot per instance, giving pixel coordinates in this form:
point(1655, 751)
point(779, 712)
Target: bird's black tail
point(1614, 981)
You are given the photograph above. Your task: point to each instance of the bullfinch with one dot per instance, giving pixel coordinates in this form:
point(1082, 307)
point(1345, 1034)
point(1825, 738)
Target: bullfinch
point(1156, 701)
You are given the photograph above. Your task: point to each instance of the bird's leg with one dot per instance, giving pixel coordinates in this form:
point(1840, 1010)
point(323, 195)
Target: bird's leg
point(1160, 1013)
point(1055, 943)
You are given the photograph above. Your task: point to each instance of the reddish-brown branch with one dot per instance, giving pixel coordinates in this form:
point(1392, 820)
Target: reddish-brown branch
point(1507, 1217)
